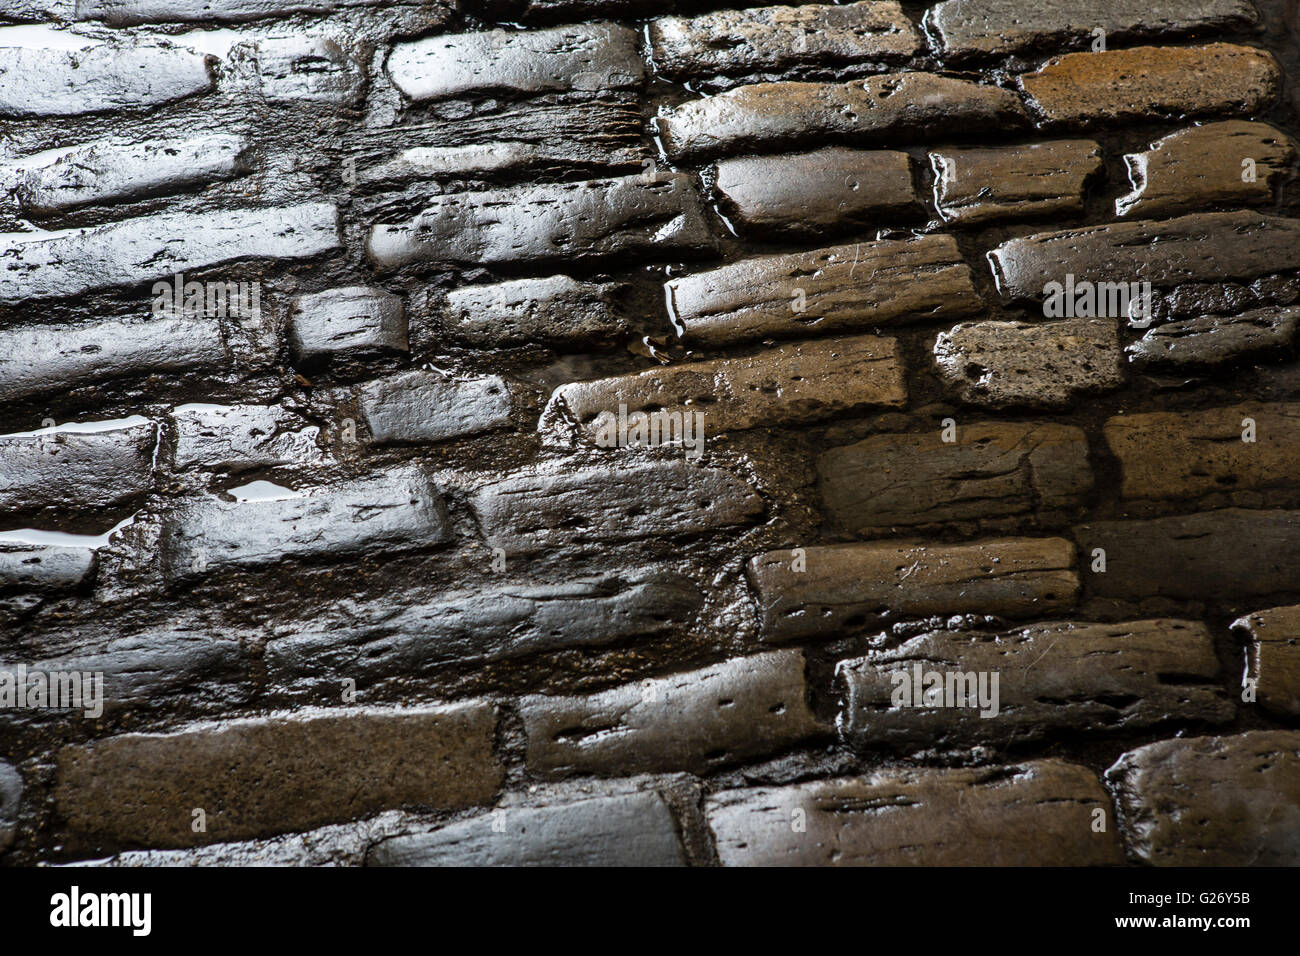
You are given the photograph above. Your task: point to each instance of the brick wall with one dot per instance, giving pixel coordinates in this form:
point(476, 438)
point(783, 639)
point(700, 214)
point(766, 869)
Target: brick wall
point(366, 583)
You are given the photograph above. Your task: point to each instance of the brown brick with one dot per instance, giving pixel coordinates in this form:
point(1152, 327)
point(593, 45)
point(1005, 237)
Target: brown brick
point(1150, 82)
point(1273, 657)
point(1184, 455)
point(975, 186)
point(849, 585)
point(1053, 678)
point(1031, 814)
point(838, 289)
point(1216, 339)
point(799, 382)
point(832, 189)
point(883, 108)
point(1202, 166)
point(1212, 801)
point(991, 469)
point(267, 775)
point(742, 708)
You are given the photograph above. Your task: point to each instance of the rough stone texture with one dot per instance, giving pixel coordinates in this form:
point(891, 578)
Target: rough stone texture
point(1032, 814)
point(1215, 555)
point(307, 69)
point(1184, 455)
point(599, 56)
point(698, 720)
point(837, 289)
point(275, 774)
point(991, 469)
point(1052, 678)
point(35, 360)
point(799, 382)
point(553, 310)
point(110, 172)
point(398, 510)
point(492, 624)
point(975, 186)
point(1212, 801)
point(351, 320)
point(830, 189)
point(421, 406)
point(11, 795)
point(1146, 82)
point(1216, 339)
point(137, 251)
point(635, 829)
point(548, 507)
point(1202, 166)
point(121, 13)
point(1272, 640)
point(844, 586)
point(568, 221)
point(999, 27)
point(34, 567)
point(52, 82)
point(778, 38)
point(52, 474)
point(1203, 247)
point(1039, 364)
point(879, 109)
point(239, 437)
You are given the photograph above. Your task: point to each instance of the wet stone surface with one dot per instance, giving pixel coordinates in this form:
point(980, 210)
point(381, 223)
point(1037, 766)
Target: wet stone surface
point(1013, 182)
point(1272, 640)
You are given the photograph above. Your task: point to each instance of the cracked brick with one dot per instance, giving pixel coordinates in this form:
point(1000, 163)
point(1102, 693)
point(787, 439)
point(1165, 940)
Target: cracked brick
point(553, 310)
point(1215, 339)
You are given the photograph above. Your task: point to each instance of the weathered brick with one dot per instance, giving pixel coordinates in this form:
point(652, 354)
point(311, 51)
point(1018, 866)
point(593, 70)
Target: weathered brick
point(553, 310)
point(562, 222)
point(11, 798)
point(1039, 364)
point(548, 507)
point(40, 568)
point(1031, 814)
point(77, 469)
point(816, 591)
point(990, 469)
point(398, 510)
point(799, 382)
point(1212, 801)
point(830, 189)
point(1184, 455)
point(136, 251)
point(239, 437)
point(1153, 82)
point(975, 186)
point(423, 406)
point(108, 76)
point(1054, 678)
point(598, 56)
point(1272, 640)
point(43, 359)
point(779, 38)
point(107, 172)
point(837, 289)
point(634, 829)
point(882, 108)
point(350, 320)
point(379, 641)
point(306, 69)
point(999, 27)
point(121, 13)
point(1203, 166)
point(1214, 555)
point(266, 775)
point(1216, 339)
point(1203, 247)
point(742, 708)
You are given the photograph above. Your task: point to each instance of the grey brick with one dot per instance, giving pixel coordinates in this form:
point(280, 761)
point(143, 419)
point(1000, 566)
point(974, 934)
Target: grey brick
point(11, 797)
point(423, 406)
point(239, 437)
point(1216, 339)
point(553, 310)
point(42, 568)
point(350, 320)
